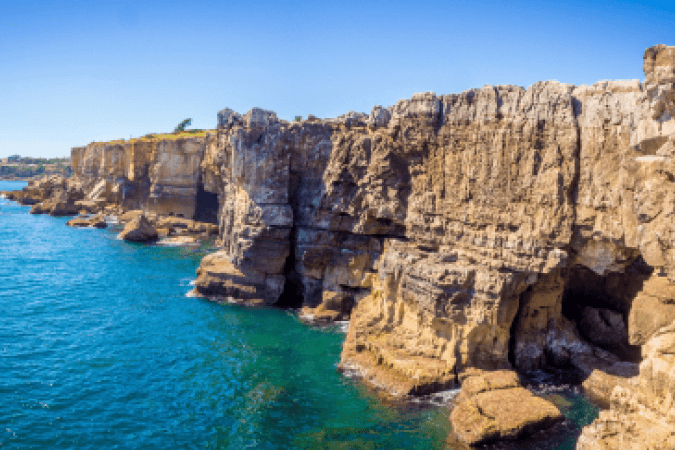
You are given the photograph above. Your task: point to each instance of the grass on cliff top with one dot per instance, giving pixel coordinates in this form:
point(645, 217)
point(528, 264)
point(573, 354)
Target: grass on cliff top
point(160, 137)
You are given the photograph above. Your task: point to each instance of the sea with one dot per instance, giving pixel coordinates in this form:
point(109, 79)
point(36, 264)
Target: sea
point(102, 347)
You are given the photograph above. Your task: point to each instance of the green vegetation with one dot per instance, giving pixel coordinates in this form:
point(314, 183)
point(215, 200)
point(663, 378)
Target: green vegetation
point(181, 126)
point(16, 166)
point(299, 118)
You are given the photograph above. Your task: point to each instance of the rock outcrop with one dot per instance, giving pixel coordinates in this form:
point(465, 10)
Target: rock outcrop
point(160, 176)
point(499, 228)
point(95, 221)
point(139, 229)
point(494, 406)
point(54, 195)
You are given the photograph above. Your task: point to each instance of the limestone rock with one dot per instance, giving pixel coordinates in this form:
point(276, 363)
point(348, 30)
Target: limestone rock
point(658, 64)
point(379, 117)
point(228, 118)
point(130, 215)
point(259, 118)
point(139, 229)
point(217, 275)
point(80, 221)
point(641, 414)
point(96, 221)
point(493, 406)
point(89, 206)
point(38, 208)
point(51, 194)
point(335, 306)
point(652, 309)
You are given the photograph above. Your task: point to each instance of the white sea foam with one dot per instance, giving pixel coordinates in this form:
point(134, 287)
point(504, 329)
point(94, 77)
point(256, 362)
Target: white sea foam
point(178, 241)
point(169, 244)
point(344, 325)
point(440, 398)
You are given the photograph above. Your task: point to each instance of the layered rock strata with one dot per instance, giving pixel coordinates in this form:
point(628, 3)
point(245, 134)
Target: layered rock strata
point(498, 228)
point(161, 176)
point(467, 229)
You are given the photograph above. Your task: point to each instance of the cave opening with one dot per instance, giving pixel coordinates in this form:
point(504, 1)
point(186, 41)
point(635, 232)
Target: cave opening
point(599, 306)
point(292, 294)
point(206, 205)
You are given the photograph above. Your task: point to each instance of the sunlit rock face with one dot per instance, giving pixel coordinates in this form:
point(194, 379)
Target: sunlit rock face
point(454, 224)
point(161, 176)
point(491, 229)
point(248, 163)
point(174, 176)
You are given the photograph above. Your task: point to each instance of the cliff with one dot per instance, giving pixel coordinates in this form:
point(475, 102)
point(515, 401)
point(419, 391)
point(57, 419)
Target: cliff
point(498, 228)
point(161, 176)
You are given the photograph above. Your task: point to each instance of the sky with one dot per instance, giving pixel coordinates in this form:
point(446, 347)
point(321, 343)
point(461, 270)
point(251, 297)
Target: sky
point(73, 72)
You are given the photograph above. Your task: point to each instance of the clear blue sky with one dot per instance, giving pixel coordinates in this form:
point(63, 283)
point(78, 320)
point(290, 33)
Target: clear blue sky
point(92, 70)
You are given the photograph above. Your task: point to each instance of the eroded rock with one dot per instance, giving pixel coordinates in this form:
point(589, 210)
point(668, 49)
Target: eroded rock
point(96, 221)
point(139, 229)
point(493, 406)
point(641, 414)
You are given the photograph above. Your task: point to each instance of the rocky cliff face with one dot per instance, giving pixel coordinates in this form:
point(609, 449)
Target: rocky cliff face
point(161, 176)
point(498, 228)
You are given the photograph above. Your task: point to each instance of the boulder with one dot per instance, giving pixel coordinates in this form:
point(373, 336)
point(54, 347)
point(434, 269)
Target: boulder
point(139, 229)
point(218, 276)
point(494, 406)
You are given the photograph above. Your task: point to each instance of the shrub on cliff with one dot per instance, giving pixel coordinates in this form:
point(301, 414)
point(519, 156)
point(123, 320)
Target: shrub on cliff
point(181, 126)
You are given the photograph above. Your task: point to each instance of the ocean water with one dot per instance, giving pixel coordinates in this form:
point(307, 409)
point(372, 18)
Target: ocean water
point(100, 348)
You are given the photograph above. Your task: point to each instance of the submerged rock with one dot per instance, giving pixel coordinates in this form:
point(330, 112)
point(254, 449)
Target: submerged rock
point(493, 406)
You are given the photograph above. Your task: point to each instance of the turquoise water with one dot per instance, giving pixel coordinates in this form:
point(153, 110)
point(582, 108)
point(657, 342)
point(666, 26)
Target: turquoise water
point(100, 349)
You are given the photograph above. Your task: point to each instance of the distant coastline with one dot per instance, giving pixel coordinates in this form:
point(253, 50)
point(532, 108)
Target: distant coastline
point(20, 178)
